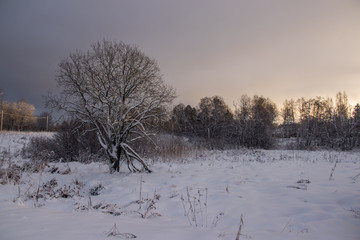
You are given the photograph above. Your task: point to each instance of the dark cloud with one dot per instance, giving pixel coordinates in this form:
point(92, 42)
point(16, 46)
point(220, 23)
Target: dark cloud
point(279, 48)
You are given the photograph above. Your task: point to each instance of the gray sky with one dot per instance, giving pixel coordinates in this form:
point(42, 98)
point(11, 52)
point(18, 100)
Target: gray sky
point(280, 49)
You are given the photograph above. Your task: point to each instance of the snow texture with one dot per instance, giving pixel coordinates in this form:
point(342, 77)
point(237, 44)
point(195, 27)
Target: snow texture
point(279, 194)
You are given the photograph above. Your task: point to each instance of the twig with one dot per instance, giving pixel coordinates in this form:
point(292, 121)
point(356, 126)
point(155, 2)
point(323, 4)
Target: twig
point(89, 203)
point(206, 197)
point(195, 204)
point(19, 192)
point(7, 176)
point(216, 219)
point(114, 232)
point(186, 213)
point(332, 171)
point(140, 192)
point(201, 211)
point(191, 208)
point(240, 226)
point(287, 224)
point(355, 177)
point(194, 211)
point(37, 192)
point(150, 205)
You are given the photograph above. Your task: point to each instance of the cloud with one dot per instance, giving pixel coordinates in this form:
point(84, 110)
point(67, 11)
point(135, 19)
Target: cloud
point(276, 48)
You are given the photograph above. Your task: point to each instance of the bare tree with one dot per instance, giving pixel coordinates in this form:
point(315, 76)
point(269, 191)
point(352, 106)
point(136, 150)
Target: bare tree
point(356, 121)
point(22, 114)
point(215, 116)
point(288, 111)
point(264, 114)
point(255, 121)
point(242, 119)
point(344, 126)
point(321, 123)
point(118, 90)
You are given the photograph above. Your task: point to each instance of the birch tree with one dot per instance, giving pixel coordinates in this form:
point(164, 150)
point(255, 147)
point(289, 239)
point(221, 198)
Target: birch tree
point(118, 90)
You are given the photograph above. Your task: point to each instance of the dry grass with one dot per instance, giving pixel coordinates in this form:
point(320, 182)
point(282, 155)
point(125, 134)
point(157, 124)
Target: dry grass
point(169, 148)
point(175, 148)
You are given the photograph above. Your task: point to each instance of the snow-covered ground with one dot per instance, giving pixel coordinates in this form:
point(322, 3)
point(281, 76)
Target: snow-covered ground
point(278, 194)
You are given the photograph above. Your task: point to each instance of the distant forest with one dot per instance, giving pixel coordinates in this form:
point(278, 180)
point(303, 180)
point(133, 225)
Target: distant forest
point(254, 122)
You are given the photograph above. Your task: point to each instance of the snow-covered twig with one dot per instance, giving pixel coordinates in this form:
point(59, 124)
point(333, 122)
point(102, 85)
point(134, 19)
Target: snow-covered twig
point(140, 198)
point(332, 171)
point(356, 177)
point(240, 226)
point(216, 219)
point(114, 232)
point(36, 197)
point(287, 224)
point(194, 205)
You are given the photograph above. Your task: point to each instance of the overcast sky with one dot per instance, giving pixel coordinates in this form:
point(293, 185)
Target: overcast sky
point(280, 49)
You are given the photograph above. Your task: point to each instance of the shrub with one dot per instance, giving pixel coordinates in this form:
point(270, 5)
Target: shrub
point(12, 174)
point(71, 143)
point(74, 143)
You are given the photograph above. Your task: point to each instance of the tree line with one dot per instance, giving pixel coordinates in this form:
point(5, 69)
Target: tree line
point(322, 122)
point(250, 125)
point(19, 116)
point(257, 122)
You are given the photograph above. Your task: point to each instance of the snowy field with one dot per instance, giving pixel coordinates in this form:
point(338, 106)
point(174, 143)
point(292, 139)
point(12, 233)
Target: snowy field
point(269, 194)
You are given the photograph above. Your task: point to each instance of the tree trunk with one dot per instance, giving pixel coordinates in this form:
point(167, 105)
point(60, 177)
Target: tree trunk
point(117, 165)
point(129, 156)
point(114, 164)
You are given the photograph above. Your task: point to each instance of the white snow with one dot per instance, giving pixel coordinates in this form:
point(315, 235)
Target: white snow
point(280, 195)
